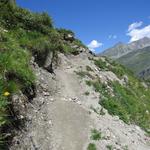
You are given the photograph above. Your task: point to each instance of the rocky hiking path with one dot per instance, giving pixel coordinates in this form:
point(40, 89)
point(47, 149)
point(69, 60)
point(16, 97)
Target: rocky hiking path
point(61, 118)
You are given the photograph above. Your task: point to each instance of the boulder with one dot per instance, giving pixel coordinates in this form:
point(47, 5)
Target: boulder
point(69, 37)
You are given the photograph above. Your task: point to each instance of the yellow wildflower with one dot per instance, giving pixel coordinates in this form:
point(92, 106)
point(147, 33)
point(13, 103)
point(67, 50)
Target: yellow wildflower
point(6, 93)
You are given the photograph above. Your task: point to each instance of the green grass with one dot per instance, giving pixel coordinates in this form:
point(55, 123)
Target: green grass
point(88, 68)
point(91, 146)
point(137, 61)
point(15, 75)
point(67, 49)
point(96, 135)
point(87, 93)
point(101, 64)
point(125, 147)
point(116, 68)
point(130, 102)
point(83, 74)
point(109, 147)
point(24, 34)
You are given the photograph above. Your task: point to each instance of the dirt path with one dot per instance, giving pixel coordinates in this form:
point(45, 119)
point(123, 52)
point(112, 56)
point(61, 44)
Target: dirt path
point(57, 121)
point(70, 121)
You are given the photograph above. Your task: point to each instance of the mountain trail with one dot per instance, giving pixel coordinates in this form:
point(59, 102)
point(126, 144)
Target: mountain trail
point(61, 116)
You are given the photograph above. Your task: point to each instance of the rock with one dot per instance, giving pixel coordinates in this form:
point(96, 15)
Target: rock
point(69, 37)
point(74, 99)
point(41, 101)
point(137, 128)
point(125, 79)
point(145, 85)
point(147, 112)
point(116, 118)
point(22, 117)
point(50, 122)
point(30, 92)
point(79, 102)
point(46, 94)
point(44, 87)
point(69, 67)
point(51, 99)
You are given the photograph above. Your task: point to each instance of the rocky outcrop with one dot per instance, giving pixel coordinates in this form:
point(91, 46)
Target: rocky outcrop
point(69, 37)
point(145, 74)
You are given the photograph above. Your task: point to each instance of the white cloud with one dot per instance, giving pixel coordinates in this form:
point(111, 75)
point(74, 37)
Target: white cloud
point(112, 37)
point(137, 34)
point(94, 44)
point(134, 25)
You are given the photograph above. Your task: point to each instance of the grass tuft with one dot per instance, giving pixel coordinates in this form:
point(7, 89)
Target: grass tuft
point(91, 146)
point(96, 135)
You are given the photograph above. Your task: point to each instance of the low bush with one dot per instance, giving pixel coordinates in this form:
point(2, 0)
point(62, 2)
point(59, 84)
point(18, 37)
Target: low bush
point(96, 135)
point(15, 17)
point(91, 146)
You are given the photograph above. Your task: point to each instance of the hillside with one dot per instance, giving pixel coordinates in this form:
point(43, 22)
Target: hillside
point(56, 95)
point(121, 49)
point(138, 61)
point(24, 35)
point(88, 104)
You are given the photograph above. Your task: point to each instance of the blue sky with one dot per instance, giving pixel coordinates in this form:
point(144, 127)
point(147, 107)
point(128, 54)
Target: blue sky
point(98, 23)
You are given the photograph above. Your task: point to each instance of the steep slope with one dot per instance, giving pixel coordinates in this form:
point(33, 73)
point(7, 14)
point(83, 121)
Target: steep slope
point(24, 34)
point(122, 49)
point(138, 61)
point(67, 110)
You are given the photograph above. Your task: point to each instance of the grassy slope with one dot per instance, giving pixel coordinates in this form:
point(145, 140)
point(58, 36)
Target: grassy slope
point(129, 101)
point(137, 60)
point(23, 34)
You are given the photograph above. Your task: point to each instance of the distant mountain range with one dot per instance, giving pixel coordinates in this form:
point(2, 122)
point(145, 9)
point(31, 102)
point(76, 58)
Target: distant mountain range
point(135, 55)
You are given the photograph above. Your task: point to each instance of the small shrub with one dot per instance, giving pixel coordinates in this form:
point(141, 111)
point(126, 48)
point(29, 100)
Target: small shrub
point(91, 146)
point(64, 32)
point(82, 74)
point(109, 147)
point(79, 43)
point(125, 147)
point(101, 64)
point(15, 17)
point(96, 135)
point(88, 68)
point(89, 83)
point(87, 93)
point(67, 49)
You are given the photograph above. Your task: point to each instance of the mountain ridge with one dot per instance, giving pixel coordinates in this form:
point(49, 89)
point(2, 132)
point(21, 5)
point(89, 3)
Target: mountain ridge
point(138, 61)
point(120, 49)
